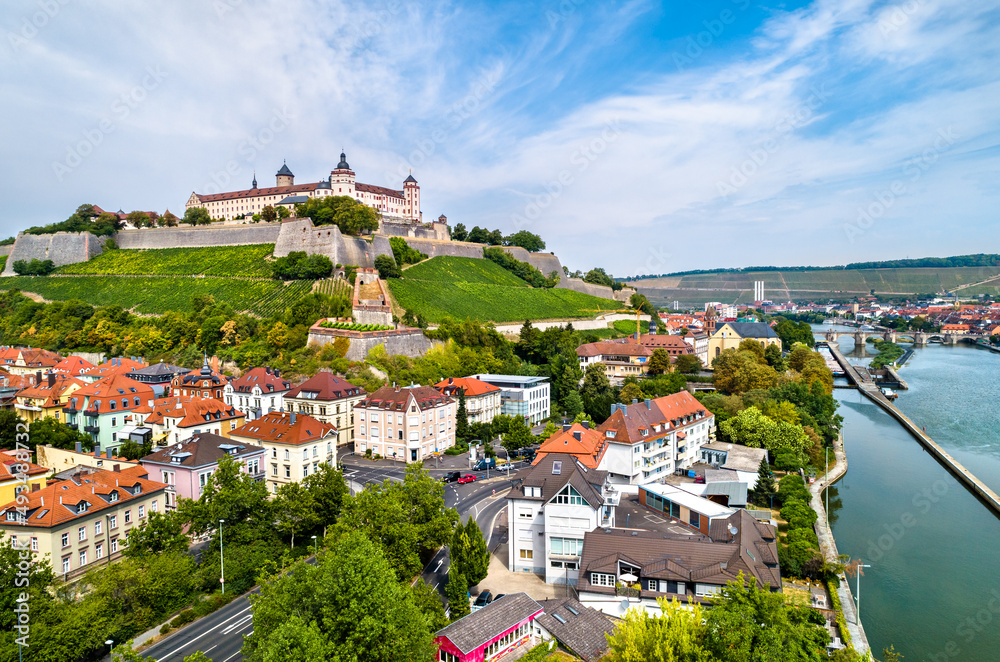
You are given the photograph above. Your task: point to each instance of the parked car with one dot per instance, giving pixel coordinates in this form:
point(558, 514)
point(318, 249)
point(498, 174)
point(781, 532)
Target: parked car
point(699, 479)
point(467, 478)
point(497, 597)
point(451, 476)
point(484, 599)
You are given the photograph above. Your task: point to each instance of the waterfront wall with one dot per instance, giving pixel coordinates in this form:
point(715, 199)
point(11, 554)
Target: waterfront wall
point(60, 247)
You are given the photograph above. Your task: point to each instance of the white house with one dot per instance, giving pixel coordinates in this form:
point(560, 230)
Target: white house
point(482, 400)
point(527, 397)
point(259, 391)
point(553, 505)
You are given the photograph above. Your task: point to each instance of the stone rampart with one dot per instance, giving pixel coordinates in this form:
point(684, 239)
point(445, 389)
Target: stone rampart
point(200, 236)
point(579, 285)
point(404, 341)
point(435, 248)
point(544, 262)
point(5, 250)
point(61, 247)
point(299, 234)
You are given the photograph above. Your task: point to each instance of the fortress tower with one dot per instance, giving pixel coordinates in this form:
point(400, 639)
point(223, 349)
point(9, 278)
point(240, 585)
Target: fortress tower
point(342, 181)
point(284, 176)
point(411, 195)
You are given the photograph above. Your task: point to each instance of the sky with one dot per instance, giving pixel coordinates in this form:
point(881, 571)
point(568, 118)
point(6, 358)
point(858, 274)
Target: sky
point(637, 136)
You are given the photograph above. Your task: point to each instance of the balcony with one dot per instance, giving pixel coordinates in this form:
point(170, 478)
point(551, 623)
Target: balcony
point(623, 591)
point(258, 477)
point(93, 429)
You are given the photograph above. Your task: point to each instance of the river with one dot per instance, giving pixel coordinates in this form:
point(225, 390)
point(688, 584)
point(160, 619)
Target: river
point(933, 590)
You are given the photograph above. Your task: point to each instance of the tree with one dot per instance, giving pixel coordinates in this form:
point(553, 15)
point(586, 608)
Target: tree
point(428, 600)
point(598, 276)
point(169, 219)
point(737, 372)
point(752, 428)
point(34, 267)
point(158, 533)
point(9, 422)
point(518, 435)
point(596, 392)
point(298, 265)
point(268, 214)
point(351, 216)
point(328, 492)
point(133, 450)
point(689, 364)
point(404, 253)
point(459, 233)
point(295, 510)
point(348, 606)
point(753, 347)
point(386, 267)
point(774, 359)
point(124, 652)
point(765, 488)
point(457, 592)
point(469, 554)
point(196, 216)
point(572, 404)
point(630, 393)
point(138, 219)
point(659, 362)
point(526, 240)
point(44, 431)
point(675, 635)
point(462, 419)
point(799, 356)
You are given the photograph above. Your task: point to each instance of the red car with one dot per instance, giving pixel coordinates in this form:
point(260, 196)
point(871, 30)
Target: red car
point(467, 478)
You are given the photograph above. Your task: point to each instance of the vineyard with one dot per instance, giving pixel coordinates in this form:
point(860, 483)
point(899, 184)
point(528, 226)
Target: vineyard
point(3, 262)
point(246, 261)
point(159, 295)
point(479, 289)
point(334, 287)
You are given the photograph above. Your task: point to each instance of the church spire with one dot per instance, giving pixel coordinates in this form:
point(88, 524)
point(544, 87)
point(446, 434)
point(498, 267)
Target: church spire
point(254, 179)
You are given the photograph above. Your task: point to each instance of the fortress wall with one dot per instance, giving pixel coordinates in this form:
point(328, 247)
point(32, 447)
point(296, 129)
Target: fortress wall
point(544, 262)
point(578, 285)
point(5, 250)
point(434, 248)
point(299, 234)
point(200, 236)
point(61, 247)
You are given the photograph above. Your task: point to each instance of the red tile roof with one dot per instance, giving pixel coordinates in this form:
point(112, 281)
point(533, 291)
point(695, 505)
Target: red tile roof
point(116, 387)
point(190, 409)
point(289, 190)
point(281, 427)
point(8, 470)
point(50, 394)
point(612, 349)
point(327, 386)
point(628, 421)
point(73, 365)
point(472, 386)
point(588, 449)
point(262, 377)
point(57, 503)
point(395, 398)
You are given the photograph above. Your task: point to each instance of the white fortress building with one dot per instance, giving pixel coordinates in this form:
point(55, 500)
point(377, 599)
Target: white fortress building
point(404, 205)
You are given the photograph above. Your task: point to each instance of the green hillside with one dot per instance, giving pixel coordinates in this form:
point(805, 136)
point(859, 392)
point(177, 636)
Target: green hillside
point(157, 295)
point(461, 287)
point(248, 261)
point(819, 285)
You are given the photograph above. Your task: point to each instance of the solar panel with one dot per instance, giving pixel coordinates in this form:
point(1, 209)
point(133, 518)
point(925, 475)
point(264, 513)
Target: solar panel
point(559, 618)
point(572, 611)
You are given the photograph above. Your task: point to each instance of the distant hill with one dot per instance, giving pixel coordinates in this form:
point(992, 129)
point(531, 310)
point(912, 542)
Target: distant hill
point(461, 287)
point(820, 285)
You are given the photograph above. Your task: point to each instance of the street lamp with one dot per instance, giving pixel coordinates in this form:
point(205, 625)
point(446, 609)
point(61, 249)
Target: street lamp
point(109, 643)
point(315, 546)
point(222, 560)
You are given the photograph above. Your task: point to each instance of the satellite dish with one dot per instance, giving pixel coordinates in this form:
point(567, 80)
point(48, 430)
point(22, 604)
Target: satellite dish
point(733, 530)
point(624, 604)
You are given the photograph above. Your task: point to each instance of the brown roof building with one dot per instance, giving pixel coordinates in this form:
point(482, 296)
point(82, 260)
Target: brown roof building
point(413, 422)
point(295, 445)
point(46, 399)
point(257, 392)
point(328, 398)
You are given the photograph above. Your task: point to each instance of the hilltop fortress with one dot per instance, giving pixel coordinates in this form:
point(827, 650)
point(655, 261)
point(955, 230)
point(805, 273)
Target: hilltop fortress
point(399, 211)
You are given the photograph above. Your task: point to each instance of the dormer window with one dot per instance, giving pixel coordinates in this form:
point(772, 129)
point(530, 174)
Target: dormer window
point(610, 434)
point(113, 497)
point(82, 507)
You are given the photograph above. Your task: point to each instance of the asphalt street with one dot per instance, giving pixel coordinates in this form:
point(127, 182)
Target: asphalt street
point(220, 635)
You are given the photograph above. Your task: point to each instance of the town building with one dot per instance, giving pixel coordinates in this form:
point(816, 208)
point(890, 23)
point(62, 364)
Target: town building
point(621, 569)
point(185, 467)
point(673, 345)
point(491, 633)
point(22, 361)
point(581, 441)
point(112, 366)
point(730, 334)
point(104, 408)
point(482, 400)
point(178, 417)
point(410, 423)
point(73, 366)
point(295, 445)
point(743, 460)
point(330, 399)
point(579, 629)
point(59, 460)
point(527, 397)
point(18, 476)
point(682, 506)
point(257, 392)
point(649, 440)
point(47, 397)
point(698, 340)
point(158, 376)
point(78, 523)
point(552, 505)
point(404, 204)
point(620, 359)
point(206, 382)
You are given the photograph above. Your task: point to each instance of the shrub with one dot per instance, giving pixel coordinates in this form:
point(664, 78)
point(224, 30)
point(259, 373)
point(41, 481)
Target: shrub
point(297, 265)
point(34, 267)
point(165, 629)
point(183, 618)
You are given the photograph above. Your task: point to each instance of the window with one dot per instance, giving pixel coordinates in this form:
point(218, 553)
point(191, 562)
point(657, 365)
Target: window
point(114, 420)
point(99, 551)
point(527, 554)
point(652, 584)
point(274, 469)
point(153, 506)
point(525, 513)
point(706, 589)
point(82, 532)
point(83, 558)
point(695, 520)
point(287, 455)
point(445, 656)
point(128, 516)
point(65, 565)
point(114, 545)
point(142, 511)
point(98, 524)
point(113, 522)
point(568, 496)
point(113, 405)
point(64, 539)
point(602, 579)
point(288, 471)
point(566, 546)
point(305, 470)
point(34, 544)
point(315, 451)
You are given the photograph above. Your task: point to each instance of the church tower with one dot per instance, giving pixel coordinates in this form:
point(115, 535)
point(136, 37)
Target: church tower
point(342, 179)
point(411, 195)
point(285, 176)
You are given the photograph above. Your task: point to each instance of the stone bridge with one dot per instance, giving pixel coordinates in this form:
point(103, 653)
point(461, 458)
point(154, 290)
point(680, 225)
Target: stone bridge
point(918, 338)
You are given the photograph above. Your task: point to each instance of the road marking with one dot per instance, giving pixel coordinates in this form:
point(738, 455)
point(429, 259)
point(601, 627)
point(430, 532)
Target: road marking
point(191, 641)
point(239, 624)
point(438, 565)
point(232, 656)
point(436, 585)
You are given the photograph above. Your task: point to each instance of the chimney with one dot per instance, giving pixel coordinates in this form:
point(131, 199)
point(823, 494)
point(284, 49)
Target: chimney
point(649, 403)
point(578, 435)
point(586, 425)
point(97, 449)
point(107, 454)
point(38, 377)
point(267, 369)
point(451, 380)
point(117, 468)
point(292, 417)
point(566, 427)
point(52, 379)
point(277, 373)
point(635, 401)
point(215, 363)
point(79, 447)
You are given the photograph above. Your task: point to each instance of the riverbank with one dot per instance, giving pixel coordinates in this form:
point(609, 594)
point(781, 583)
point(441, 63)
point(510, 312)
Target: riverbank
point(828, 546)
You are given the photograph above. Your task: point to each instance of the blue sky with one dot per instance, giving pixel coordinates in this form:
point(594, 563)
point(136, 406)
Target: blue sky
point(638, 136)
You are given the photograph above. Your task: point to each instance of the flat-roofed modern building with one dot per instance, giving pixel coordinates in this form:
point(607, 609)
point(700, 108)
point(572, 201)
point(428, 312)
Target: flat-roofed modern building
point(527, 397)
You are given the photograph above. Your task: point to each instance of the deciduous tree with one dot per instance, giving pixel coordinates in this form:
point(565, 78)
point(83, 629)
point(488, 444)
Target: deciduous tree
point(457, 592)
point(469, 554)
point(659, 362)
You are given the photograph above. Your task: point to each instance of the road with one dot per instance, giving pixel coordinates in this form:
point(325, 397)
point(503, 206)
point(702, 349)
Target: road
point(220, 635)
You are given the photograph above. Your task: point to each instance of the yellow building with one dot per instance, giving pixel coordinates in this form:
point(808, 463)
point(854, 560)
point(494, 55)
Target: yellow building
point(47, 398)
point(296, 445)
point(730, 334)
point(15, 477)
point(81, 522)
point(60, 459)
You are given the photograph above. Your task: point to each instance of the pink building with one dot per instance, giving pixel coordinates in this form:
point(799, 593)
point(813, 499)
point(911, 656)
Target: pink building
point(491, 633)
point(186, 466)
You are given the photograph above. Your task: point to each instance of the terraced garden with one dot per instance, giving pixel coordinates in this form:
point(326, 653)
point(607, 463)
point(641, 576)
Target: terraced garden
point(155, 295)
point(247, 261)
point(469, 288)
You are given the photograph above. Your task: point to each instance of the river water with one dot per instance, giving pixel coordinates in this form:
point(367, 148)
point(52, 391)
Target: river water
point(933, 590)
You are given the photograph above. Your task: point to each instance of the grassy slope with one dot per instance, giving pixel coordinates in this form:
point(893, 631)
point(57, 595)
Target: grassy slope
point(159, 295)
point(247, 261)
point(479, 289)
point(803, 285)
